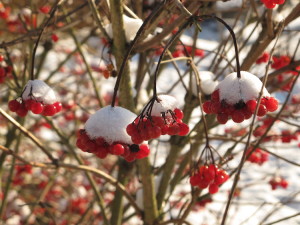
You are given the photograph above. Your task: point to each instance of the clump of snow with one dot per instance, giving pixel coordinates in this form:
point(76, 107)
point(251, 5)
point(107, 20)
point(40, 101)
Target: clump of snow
point(166, 103)
point(232, 89)
point(40, 91)
point(110, 123)
point(131, 27)
point(208, 84)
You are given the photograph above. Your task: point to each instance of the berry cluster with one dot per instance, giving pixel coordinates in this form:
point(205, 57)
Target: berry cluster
point(151, 127)
point(258, 156)
point(278, 181)
point(23, 106)
point(101, 148)
point(240, 111)
point(287, 136)
point(270, 4)
point(209, 176)
point(37, 97)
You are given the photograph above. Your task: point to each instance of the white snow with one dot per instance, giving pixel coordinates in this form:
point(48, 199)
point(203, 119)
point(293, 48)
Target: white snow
point(110, 123)
point(131, 27)
point(40, 91)
point(232, 89)
point(167, 103)
point(208, 84)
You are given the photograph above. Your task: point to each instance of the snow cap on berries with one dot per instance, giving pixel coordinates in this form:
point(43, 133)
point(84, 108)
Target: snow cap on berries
point(208, 84)
point(131, 27)
point(166, 103)
point(110, 123)
point(233, 89)
point(40, 91)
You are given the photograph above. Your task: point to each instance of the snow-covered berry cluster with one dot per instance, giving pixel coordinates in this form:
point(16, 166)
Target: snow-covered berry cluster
point(105, 134)
point(278, 181)
point(236, 98)
point(209, 176)
point(258, 156)
point(158, 118)
point(270, 4)
point(38, 98)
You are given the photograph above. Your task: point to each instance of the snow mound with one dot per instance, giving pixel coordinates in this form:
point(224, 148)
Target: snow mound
point(208, 84)
point(131, 27)
point(110, 123)
point(233, 89)
point(40, 91)
point(167, 103)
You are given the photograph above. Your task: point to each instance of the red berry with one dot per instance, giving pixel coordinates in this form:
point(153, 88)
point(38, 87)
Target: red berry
point(215, 107)
point(271, 104)
point(37, 107)
point(237, 116)
point(210, 172)
point(155, 132)
point(178, 113)
point(173, 129)
point(101, 152)
point(54, 37)
point(29, 103)
point(207, 107)
point(130, 157)
point(131, 129)
point(251, 105)
point(143, 152)
point(203, 184)
point(215, 96)
point(58, 106)
point(137, 139)
point(222, 118)
point(183, 129)
point(262, 110)
point(14, 105)
point(221, 177)
point(213, 188)
point(45, 9)
point(195, 180)
point(49, 110)
point(117, 149)
point(22, 111)
point(247, 113)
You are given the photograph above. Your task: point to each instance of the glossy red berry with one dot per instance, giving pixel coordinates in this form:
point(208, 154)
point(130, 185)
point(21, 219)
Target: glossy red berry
point(178, 113)
point(37, 107)
point(271, 104)
point(117, 149)
point(58, 106)
point(237, 116)
point(22, 111)
point(215, 96)
point(29, 103)
point(251, 105)
point(183, 129)
point(143, 152)
point(49, 110)
point(207, 107)
point(213, 188)
point(262, 110)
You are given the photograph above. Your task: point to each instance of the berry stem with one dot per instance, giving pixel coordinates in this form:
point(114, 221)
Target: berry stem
point(52, 12)
point(137, 36)
point(238, 67)
point(178, 33)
